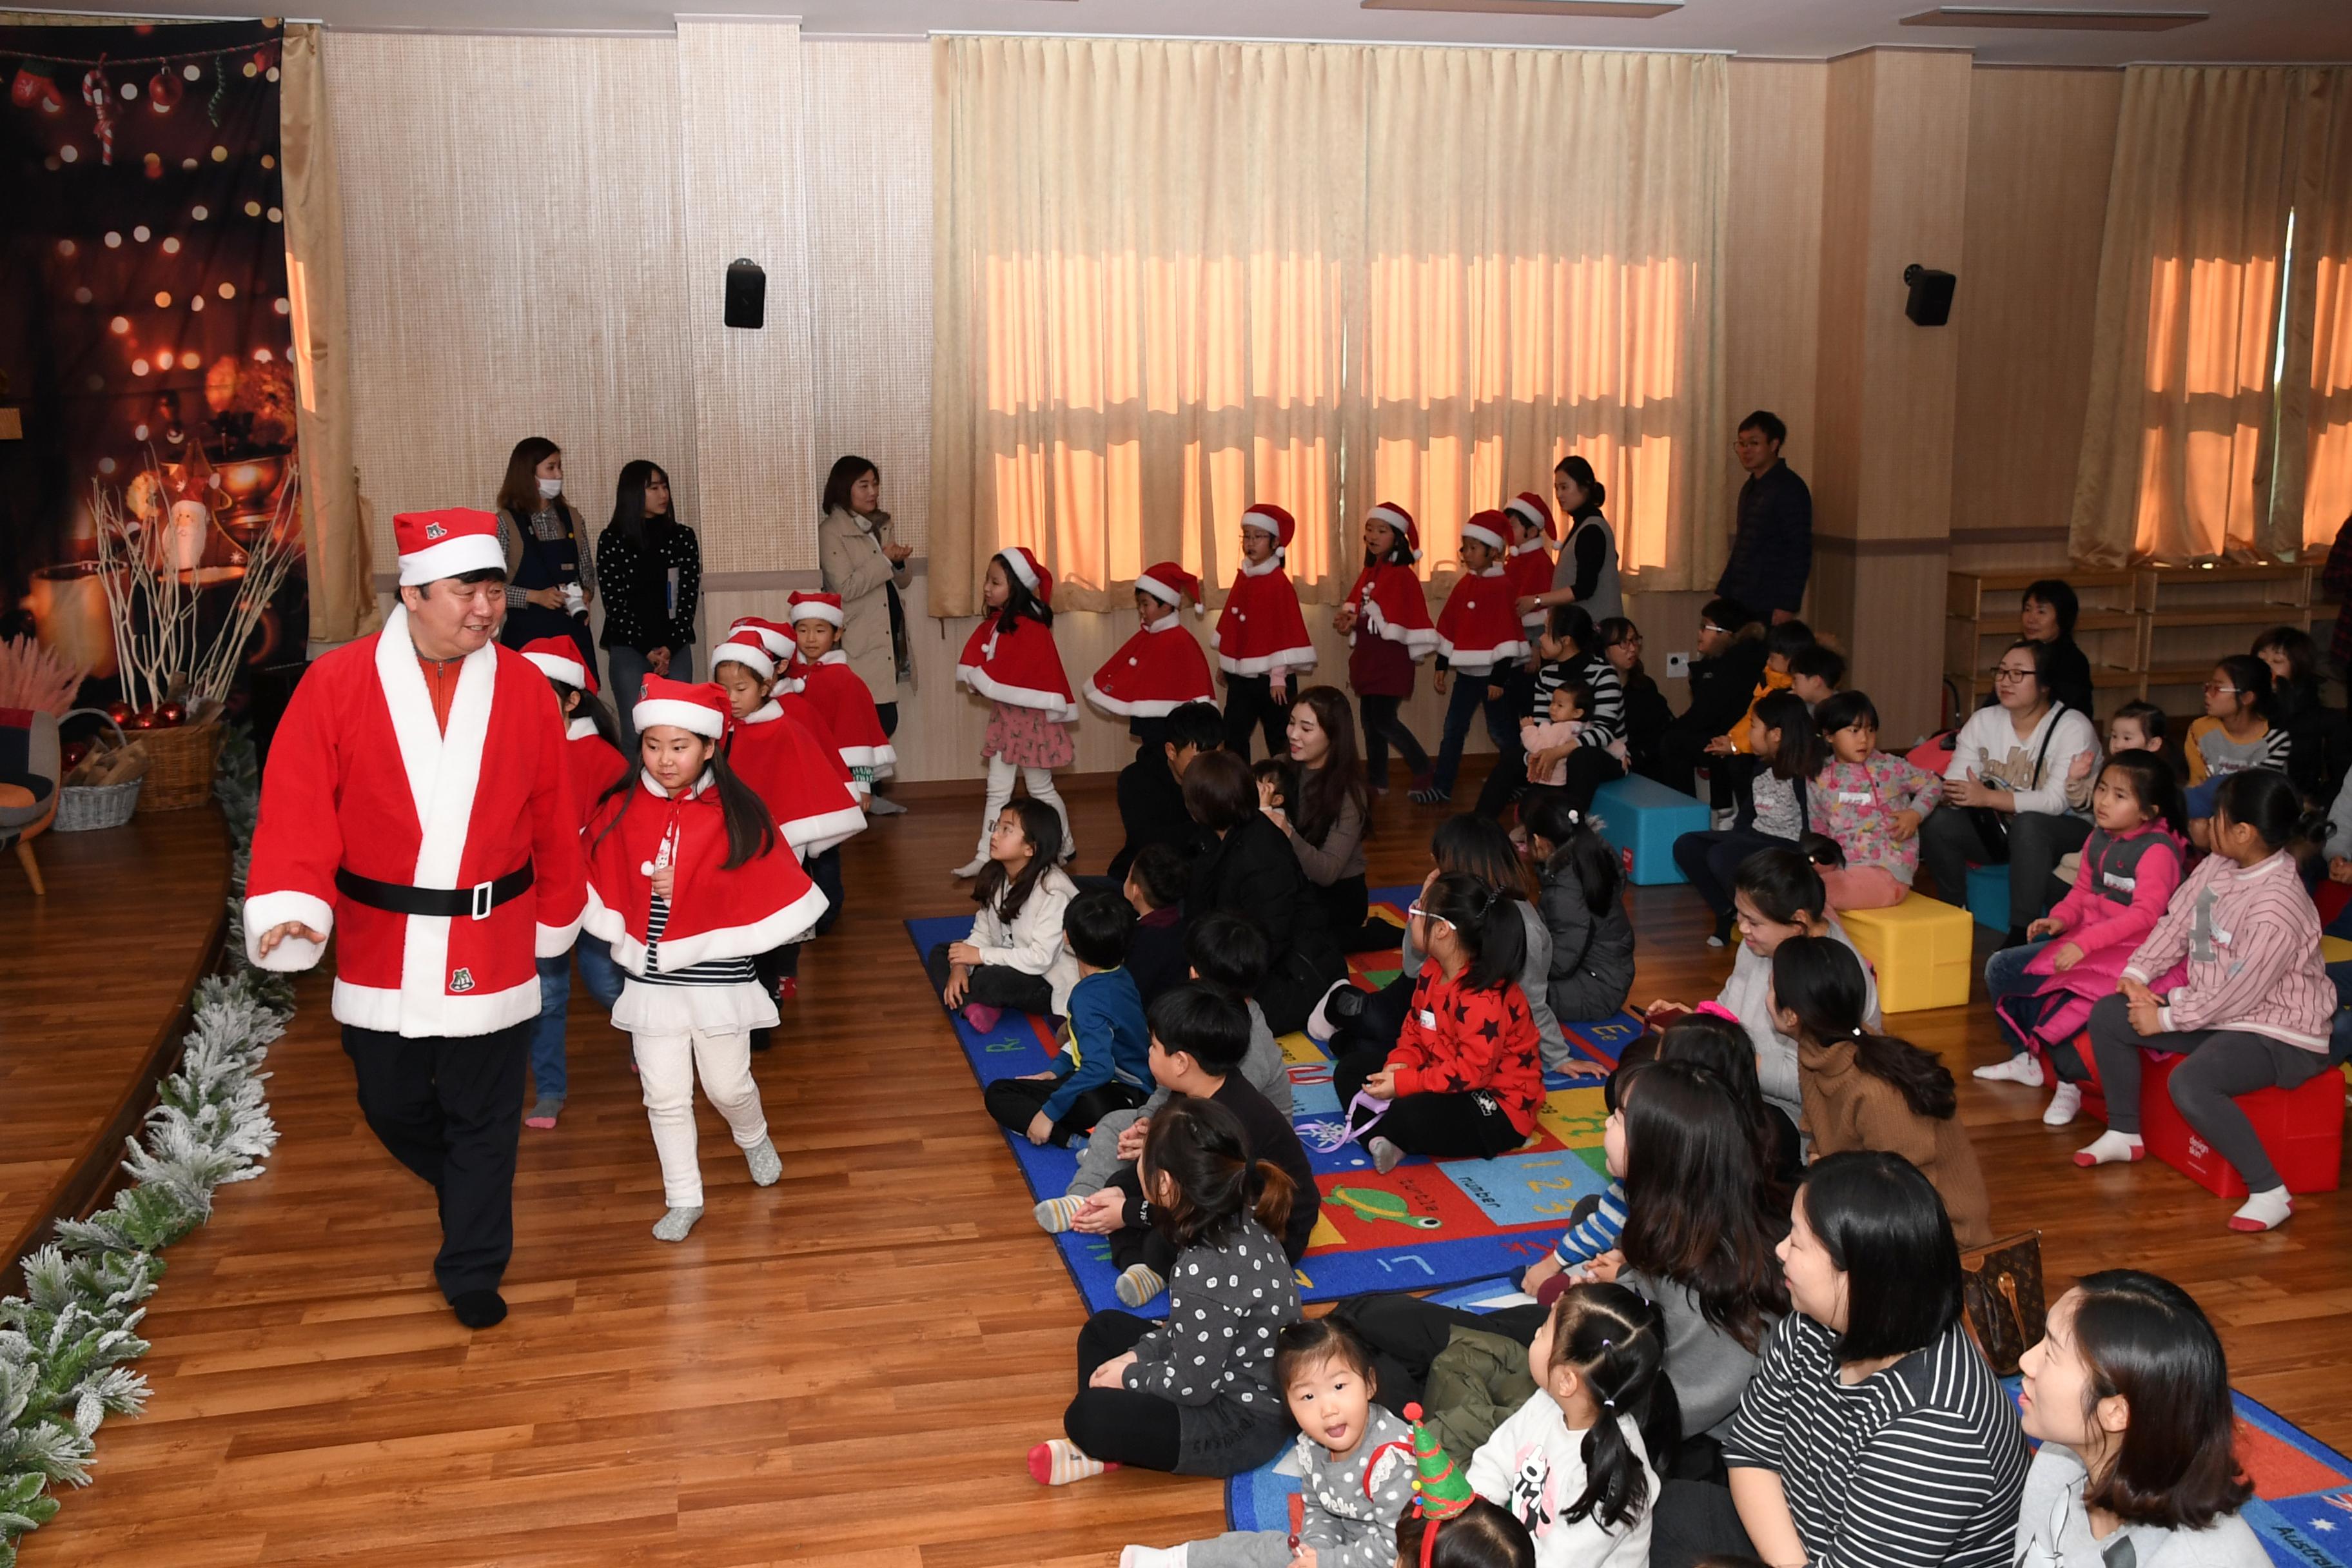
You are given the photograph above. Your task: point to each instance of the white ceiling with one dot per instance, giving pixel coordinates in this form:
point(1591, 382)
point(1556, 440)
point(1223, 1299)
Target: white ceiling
point(2238, 30)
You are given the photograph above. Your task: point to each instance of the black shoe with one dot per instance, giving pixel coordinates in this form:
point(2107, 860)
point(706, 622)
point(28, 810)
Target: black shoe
point(479, 1308)
point(1345, 1006)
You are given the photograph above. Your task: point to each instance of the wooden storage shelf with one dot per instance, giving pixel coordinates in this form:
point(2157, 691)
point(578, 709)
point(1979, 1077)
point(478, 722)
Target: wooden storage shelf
point(2198, 612)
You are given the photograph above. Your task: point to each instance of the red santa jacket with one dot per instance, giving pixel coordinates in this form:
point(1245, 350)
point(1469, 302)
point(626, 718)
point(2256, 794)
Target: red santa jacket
point(834, 690)
point(1529, 566)
point(1389, 605)
point(1458, 1040)
point(595, 766)
point(1260, 628)
point(1154, 672)
point(1479, 627)
point(761, 905)
point(1022, 666)
point(362, 778)
point(804, 786)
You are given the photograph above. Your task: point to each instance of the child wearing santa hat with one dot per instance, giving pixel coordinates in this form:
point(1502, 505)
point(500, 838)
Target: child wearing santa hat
point(592, 754)
point(822, 675)
point(1261, 638)
point(1012, 660)
point(688, 880)
point(1528, 564)
point(1160, 667)
point(1478, 634)
point(1386, 622)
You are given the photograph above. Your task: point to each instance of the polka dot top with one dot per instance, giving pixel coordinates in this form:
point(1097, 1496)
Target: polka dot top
point(1227, 1299)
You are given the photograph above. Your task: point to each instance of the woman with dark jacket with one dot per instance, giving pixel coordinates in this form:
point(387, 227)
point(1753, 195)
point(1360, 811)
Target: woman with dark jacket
point(2314, 731)
point(652, 567)
point(1246, 867)
point(550, 575)
point(2048, 618)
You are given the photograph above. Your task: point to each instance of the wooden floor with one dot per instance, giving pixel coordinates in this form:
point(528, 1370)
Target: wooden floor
point(848, 1368)
point(91, 982)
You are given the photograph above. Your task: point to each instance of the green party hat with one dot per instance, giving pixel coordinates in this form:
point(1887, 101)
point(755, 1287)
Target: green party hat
point(1439, 1489)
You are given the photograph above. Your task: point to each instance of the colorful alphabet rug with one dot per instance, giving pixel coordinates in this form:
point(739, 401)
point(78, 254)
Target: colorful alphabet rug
point(1427, 1223)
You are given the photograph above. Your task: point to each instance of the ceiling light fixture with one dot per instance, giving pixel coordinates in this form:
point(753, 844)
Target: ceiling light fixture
point(2075, 19)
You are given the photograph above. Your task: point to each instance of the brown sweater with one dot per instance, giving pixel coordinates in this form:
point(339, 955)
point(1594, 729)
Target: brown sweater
point(1846, 1107)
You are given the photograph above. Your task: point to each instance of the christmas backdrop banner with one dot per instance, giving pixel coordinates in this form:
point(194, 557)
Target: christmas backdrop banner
point(146, 330)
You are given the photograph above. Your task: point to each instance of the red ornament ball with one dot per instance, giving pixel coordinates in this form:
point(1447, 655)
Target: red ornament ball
point(120, 713)
point(75, 751)
point(164, 91)
point(171, 715)
point(142, 720)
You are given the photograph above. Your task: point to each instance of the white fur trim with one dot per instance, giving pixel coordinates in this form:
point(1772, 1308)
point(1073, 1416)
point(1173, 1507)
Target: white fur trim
point(295, 954)
point(881, 759)
point(751, 658)
point(827, 830)
point(1480, 661)
point(452, 558)
point(1054, 704)
point(393, 1013)
point(823, 612)
point(788, 924)
point(1020, 566)
point(1166, 592)
point(1262, 521)
point(1526, 514)
point(691, 717)
point(568, 670)
point(1293, 660)
point(1486, 536)
point(1149, 708)
point(1418, 641)
point(580, 729)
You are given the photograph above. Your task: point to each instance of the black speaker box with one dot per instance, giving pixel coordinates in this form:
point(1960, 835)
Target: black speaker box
point(1930, 304)
point(746, 295)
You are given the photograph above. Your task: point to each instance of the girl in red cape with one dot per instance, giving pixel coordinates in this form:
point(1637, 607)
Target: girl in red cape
point(1012, 660)
point(1385, 619)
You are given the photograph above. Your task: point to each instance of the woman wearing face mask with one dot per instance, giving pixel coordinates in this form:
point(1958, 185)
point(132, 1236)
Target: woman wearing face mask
point(551, 576)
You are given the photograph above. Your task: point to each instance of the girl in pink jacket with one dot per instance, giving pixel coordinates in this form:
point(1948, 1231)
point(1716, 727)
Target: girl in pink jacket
point(2042, 991)
point(2252, 1010)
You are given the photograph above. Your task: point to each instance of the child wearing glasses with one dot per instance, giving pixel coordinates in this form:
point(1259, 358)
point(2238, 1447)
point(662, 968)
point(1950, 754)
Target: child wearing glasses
point(2235, 734)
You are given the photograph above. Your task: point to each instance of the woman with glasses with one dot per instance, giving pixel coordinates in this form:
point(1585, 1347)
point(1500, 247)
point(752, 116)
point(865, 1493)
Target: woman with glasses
point(2008, 774)
point(1646, 713)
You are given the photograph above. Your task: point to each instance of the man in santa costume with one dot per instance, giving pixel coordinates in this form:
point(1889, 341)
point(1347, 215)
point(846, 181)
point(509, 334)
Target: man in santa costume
point(417, 805)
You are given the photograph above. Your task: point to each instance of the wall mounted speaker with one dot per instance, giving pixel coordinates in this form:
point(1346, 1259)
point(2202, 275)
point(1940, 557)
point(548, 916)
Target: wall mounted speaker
point(1930, 304)
point(746, 295)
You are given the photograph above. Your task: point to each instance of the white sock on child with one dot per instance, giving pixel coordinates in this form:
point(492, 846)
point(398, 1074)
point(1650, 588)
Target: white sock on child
point(1055, 1215)
point(1057, 1461)
point(2110, 1148)
point(1156, 1557)
point(2025, 1067)
point(2263, 1211)
point(2065, 1104)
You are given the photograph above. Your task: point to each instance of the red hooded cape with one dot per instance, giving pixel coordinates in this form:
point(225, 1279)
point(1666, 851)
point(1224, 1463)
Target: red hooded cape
point(1154, 672)
point(714, 913)
point(1021, 667)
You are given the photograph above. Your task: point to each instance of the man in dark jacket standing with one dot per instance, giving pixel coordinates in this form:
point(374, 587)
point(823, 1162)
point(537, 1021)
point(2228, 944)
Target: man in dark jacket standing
point(1773, 553)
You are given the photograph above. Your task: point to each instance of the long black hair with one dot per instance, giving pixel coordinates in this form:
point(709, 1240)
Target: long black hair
point(1018, 600)
point(1700, 1210)
point(993, 888)
point(1885, 1227)
point(1200, 1146)
point(750, 831)
point(519, 491)
point(1324, 792)
point(2154, 784)
point(1721, 1046)
point(1596, 494)
point(1577, 850)
point(1819, 980)
point(846, 472)
point(1481, 846)
point(595, 712)
point(1785, 887)
point(2145, 1339)
point(1487, 923)
point(1802, 751)
point(2252, 678)
point(1616, 1340)
point(629, 498)
point(2267, 803)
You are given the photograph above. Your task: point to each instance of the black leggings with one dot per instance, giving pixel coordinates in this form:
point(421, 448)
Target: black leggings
point(1118, 1426)
point(1015, 1102)
point(1711, 859)
point(1443, 1124)
point(1384, 726)
point(994, 985)
point(1250, 706)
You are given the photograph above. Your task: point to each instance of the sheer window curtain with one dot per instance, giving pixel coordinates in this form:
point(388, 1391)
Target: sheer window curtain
point(1141, 258)
point(1175, 278)
point(2314, 485)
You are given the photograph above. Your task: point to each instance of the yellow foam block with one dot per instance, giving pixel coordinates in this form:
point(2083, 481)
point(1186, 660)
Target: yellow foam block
point(1922, 949)
point(2335, 949)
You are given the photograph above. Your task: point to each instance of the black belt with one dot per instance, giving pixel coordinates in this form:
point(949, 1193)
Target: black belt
point(449, 903)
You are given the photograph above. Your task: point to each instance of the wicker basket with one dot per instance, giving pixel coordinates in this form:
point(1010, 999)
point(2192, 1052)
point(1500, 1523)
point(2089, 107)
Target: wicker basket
point(180, 766)
point(87, 808)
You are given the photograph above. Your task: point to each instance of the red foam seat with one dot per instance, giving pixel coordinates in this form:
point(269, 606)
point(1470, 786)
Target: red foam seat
point(2302, 1128)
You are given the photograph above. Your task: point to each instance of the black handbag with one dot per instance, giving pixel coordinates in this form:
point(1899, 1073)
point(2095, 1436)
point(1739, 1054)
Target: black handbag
point(1993, 826)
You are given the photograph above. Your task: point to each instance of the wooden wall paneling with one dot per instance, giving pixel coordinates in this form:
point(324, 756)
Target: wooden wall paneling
point(1772, 230)
point(2040, 146)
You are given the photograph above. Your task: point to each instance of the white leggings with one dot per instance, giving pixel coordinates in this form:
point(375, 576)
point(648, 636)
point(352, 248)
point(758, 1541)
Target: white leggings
point(999, 794)
point(666, 1065)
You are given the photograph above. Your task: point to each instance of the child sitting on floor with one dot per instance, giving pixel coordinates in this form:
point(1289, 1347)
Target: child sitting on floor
point(1229, 952)
point(1465, 1076)
point(1014, 957)
point(1155, 883)
point(1104, 1064)
point(1354, 1460)
point(1871, 802)
point(1199, 1037)
point(1195, 1395)
point(2235, 734)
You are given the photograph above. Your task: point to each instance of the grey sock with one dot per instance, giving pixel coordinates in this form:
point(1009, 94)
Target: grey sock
point(546, 1107)
point(674, 1223)
point(765, 1163)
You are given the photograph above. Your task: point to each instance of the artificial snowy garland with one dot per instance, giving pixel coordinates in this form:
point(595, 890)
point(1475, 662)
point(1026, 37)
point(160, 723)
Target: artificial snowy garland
point(63, 1344)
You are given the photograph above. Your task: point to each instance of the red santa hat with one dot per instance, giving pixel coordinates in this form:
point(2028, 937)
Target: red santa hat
point(1170, 584)
point(558, 659)
point(1491, 529)
point(816, 607)
point(1396, 517)
point(776, 638)
point(1030, 572)
point(1268, 517)
point(747, 648)
point(447, 543)
point(698, 709)
point(1535, 511)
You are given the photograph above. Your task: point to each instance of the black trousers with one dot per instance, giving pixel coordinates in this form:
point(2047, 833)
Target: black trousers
point(450, 1109)
point(1406, 1334)
point(1384, 726)
point(1131, 1243)
point(996, 985)
point(1712, 858)
point(1015, 1102)
point(1346, 902)
point(824, 870)
point(1250, 706)
point(1950, 839)
point(1118, 1426)
point(1448, 1124)
point(1696, 1522)
point(889, 713)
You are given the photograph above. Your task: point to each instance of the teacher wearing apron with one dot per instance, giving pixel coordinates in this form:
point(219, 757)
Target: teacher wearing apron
point(551, 576)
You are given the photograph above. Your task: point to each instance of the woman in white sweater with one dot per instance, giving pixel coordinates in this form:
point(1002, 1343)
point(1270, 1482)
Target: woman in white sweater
point(2009, 771)
point(1014, 958)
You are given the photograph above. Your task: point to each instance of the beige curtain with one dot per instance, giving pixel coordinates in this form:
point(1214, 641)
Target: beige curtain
point(2182, 349)
point(335, 528)
point(2314, 485)
point(1141, 262)
point(1544, 231)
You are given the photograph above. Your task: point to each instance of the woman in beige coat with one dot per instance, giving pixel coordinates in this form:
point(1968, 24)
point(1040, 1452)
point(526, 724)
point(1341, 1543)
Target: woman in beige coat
point(862, 563)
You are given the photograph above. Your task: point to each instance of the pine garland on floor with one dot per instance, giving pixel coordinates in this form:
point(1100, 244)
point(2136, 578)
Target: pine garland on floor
point(64, 1342)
